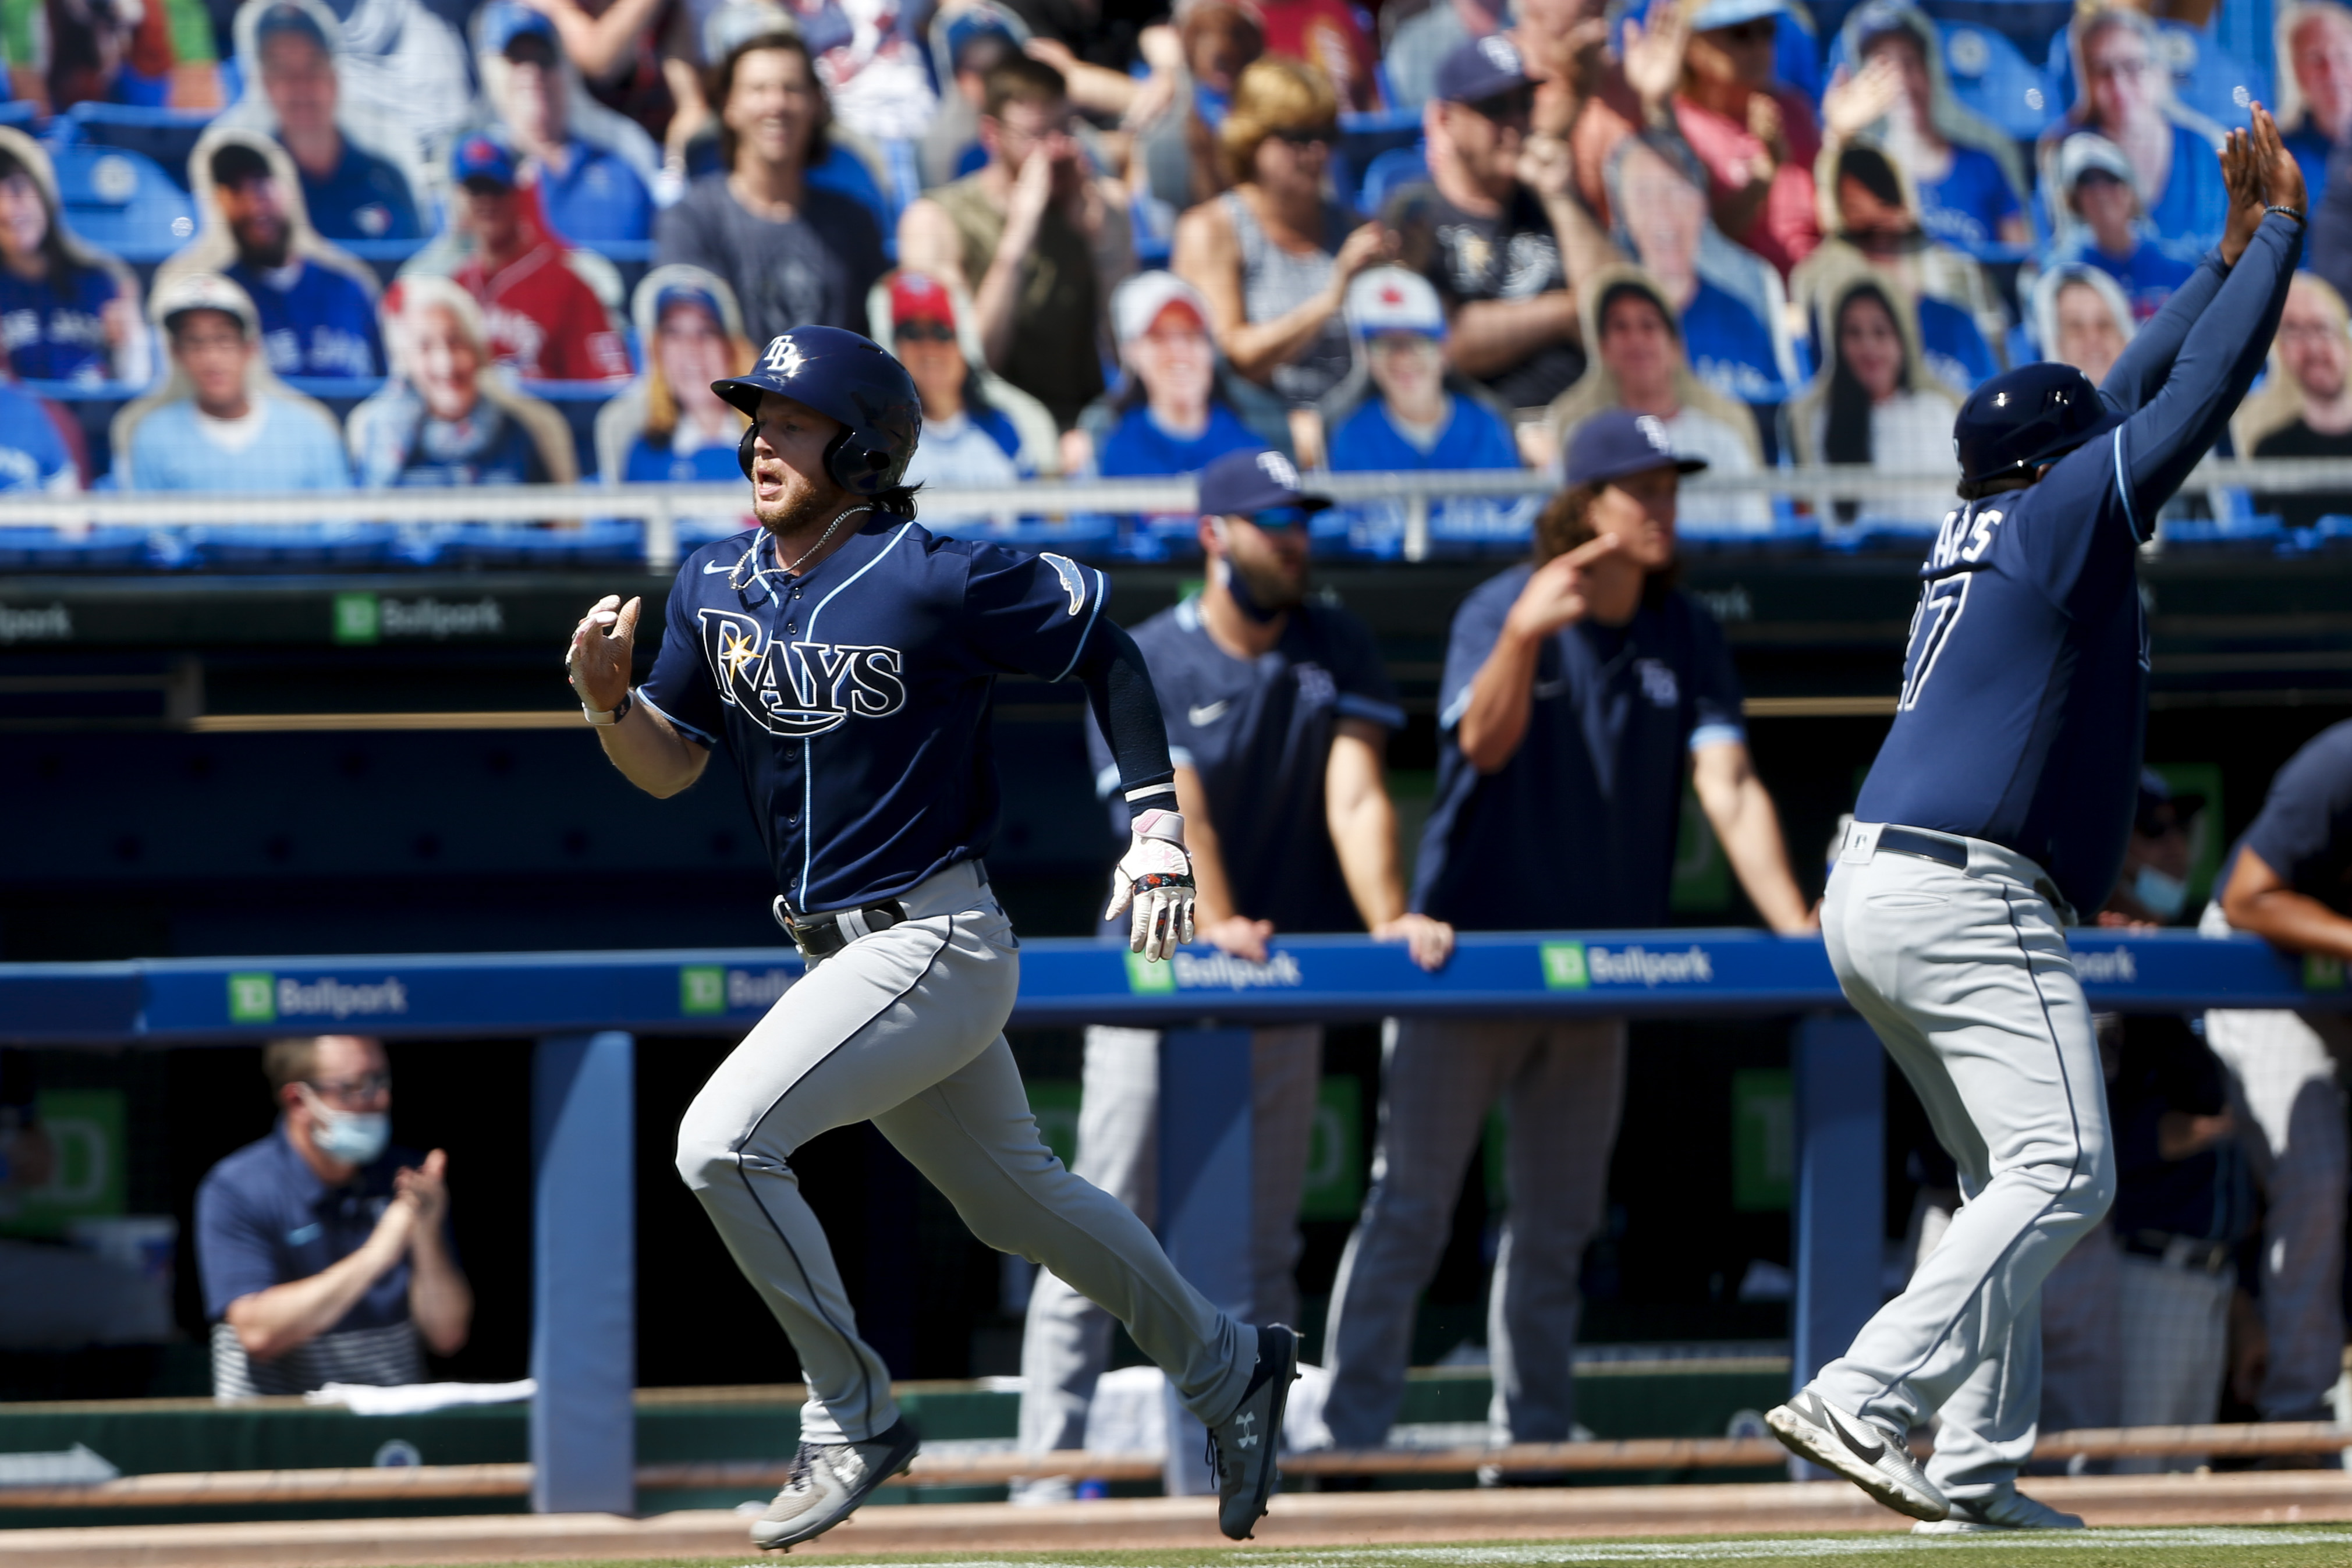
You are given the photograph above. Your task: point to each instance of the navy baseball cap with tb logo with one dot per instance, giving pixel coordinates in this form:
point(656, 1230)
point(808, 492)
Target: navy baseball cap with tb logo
point(1262, 486)
point(1618, 442)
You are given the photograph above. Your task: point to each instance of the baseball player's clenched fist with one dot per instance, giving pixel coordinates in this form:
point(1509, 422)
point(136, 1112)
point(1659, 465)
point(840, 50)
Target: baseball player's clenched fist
point(598, 661)
point(1155, 877)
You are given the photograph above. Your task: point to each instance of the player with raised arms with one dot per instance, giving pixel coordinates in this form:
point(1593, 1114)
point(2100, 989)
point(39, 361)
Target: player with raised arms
point(848, 657)
point(1998, 807)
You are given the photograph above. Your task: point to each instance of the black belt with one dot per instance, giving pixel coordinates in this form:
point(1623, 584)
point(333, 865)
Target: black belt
point(1943, 847)
point(822, 936)
point(2192, 1252)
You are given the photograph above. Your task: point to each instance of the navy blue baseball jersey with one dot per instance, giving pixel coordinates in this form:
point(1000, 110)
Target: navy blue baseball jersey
point(1577, 829)
point(1258, 731)
point(2025, 700)
point(2304, 829)
point(855, 699)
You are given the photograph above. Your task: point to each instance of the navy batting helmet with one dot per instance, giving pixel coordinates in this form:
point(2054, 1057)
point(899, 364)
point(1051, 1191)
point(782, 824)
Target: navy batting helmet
point(2025, 418)
point(853, 380)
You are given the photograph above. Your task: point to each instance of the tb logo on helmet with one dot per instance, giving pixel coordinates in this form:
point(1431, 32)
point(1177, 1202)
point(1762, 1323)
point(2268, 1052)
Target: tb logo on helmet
point(799, 687)
point(782, 358)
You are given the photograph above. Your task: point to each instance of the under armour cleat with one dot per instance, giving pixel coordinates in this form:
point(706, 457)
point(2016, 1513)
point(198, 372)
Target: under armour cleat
point(828, 1481)
point(1241, 1446)
point(2006, 1509)
point(1813, 1428)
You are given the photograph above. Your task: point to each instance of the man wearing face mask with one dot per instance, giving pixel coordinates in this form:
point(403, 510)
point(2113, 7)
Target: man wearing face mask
point(1278, 714)
point(2153, 886)
point(324, 1253)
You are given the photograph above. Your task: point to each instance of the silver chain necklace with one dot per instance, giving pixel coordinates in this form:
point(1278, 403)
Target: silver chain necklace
point(793, 569)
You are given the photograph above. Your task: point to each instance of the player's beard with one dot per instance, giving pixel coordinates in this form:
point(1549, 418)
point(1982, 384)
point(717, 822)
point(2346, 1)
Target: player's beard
point(801, 512)
point(1259, 593)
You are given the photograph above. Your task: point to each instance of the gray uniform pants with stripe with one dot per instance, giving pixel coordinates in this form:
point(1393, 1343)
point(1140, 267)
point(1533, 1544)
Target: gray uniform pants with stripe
point(2283, 1077)
point(1562, 1084)
point(1065, 1345)
point(904, 1029)
point(1966, 977)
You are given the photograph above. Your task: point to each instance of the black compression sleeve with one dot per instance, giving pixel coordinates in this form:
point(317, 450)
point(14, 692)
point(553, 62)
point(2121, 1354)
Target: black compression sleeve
point(1118, 687)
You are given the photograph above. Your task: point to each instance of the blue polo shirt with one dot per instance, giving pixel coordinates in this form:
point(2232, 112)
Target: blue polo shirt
point(1969, 204)
point(1140, 447)
point(365, 197)
point(1258, 732)
point(2304, 829)
point(1472, 437)
point(597, 198)
point(855, 698)
point(1577, 829)
point(264, 1218)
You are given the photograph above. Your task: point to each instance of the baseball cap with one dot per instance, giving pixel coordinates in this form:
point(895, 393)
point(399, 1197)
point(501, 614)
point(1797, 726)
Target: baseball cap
point(1187, 9)
point(291, 19)
point(2084, 152)
point(1250, 484)
point(503, 22)
point(917, 298)
point(1731, 13)
point(1394, 299)
point(2155, 794)
point(481, 157)
point(1617, 442)
point(204, 291)
point(732, 26)
point(684, 293)
point(1480, 69)
point(1135, 304)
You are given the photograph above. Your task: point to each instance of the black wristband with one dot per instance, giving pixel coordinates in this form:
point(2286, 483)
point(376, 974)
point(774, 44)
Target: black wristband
point(2285, 211)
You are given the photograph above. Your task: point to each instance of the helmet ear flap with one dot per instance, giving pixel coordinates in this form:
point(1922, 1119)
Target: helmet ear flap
point(743, 447)
point(856, 463)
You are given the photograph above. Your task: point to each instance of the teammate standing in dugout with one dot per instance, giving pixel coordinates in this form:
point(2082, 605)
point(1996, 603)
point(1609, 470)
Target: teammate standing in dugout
point(848, 656)
point(1999, 806)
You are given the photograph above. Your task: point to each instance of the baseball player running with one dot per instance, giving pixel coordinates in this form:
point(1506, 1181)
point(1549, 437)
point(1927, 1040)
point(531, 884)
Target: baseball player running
point(1998, 807)
point(847, 657)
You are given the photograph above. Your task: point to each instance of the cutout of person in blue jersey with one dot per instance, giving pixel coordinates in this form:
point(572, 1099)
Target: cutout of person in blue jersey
point(1872, 218)
point(449, 416)
point(2108, 229)
point(668, 426)
point(2315, 85)
point(1583, 665)
point(589, 194)
point(1168, 415)
point(2201, 75)
point(1728, 299)
point(71, 310)
point(223, 422)
point(352, 191)
point(1964, 168)
point(34, 456)
point(317, 304)
point(2128, 98)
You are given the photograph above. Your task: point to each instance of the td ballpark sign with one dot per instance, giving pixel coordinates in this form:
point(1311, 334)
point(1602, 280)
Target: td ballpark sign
point(255, 998)
point(1576, 967)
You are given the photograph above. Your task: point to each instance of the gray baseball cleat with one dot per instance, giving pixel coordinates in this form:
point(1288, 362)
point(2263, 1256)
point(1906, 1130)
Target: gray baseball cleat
point(2006, 1509)
point(1241, 1446)
point(828, 1481)
point(1813, 1428)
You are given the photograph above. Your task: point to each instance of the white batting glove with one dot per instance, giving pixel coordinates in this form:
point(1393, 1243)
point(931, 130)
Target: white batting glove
point(1155, 876)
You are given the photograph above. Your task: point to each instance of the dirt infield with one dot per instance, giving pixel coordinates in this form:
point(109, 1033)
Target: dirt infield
point(1173, 1528)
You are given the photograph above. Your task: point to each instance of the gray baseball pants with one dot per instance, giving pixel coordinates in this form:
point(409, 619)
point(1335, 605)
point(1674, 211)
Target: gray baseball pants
point(1562, 1085)
point(1065, 1343)
point(904, 1027)
point(2290, 1107)
point(1966, 977)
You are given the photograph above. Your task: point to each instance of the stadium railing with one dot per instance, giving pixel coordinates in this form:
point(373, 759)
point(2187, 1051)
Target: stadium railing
point(1428, 512)
point(585, 1011)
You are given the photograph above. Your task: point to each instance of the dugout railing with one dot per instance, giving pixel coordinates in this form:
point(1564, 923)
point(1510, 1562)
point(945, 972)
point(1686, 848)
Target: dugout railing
point(584, 1011)
point(1048, 514)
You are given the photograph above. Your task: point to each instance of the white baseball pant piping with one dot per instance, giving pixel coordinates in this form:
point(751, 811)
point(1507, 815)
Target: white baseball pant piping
point(1562, 1085)
point(1066, 1342)
point(1966, 977)
point(2283, 1078)
point(904, 1027)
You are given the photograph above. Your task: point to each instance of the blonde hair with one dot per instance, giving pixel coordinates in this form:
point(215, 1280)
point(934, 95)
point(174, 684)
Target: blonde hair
point(1275, 93)
point(290, 1061)
point(2278, 402)
point(661, 401)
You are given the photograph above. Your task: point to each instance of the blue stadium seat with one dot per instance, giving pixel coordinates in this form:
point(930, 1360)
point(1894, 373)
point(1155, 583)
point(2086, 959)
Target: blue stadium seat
point(384, 257)
point(19, 112)
point(124, 201)
point(1397, 166)
point(325, 545)
point(166, 135)
point(1990, 73)
point(579, 402)
point(846, 173)
point(2028, 24)
point(604, 541)
point(108, 548)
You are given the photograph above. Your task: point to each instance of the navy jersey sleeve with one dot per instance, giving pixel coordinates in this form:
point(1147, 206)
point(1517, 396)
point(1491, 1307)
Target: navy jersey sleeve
point(235, 1255)
point(1477, 627)
point(1716, 716)
point(2305, 830)
point(1030, 613)
point(681, 688)
point(1365, 689)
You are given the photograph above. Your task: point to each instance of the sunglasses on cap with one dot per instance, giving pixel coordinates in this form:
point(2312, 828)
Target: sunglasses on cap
point(1750, 32)
point(925, 332)
point(1306, 136)
point(1276, 518)
point(1507, 108)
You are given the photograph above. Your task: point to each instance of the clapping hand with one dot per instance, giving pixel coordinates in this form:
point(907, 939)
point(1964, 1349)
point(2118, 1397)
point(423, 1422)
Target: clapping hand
point(1855, 102)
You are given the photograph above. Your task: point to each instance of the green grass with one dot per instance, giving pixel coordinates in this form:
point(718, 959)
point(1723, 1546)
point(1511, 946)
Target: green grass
point(2286, 1546)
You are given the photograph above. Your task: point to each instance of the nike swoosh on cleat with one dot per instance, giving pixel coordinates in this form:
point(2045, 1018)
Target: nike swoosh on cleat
point(1869, 1453)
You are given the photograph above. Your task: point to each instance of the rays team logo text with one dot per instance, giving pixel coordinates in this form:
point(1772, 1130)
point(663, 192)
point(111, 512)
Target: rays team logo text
point(799, 689)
